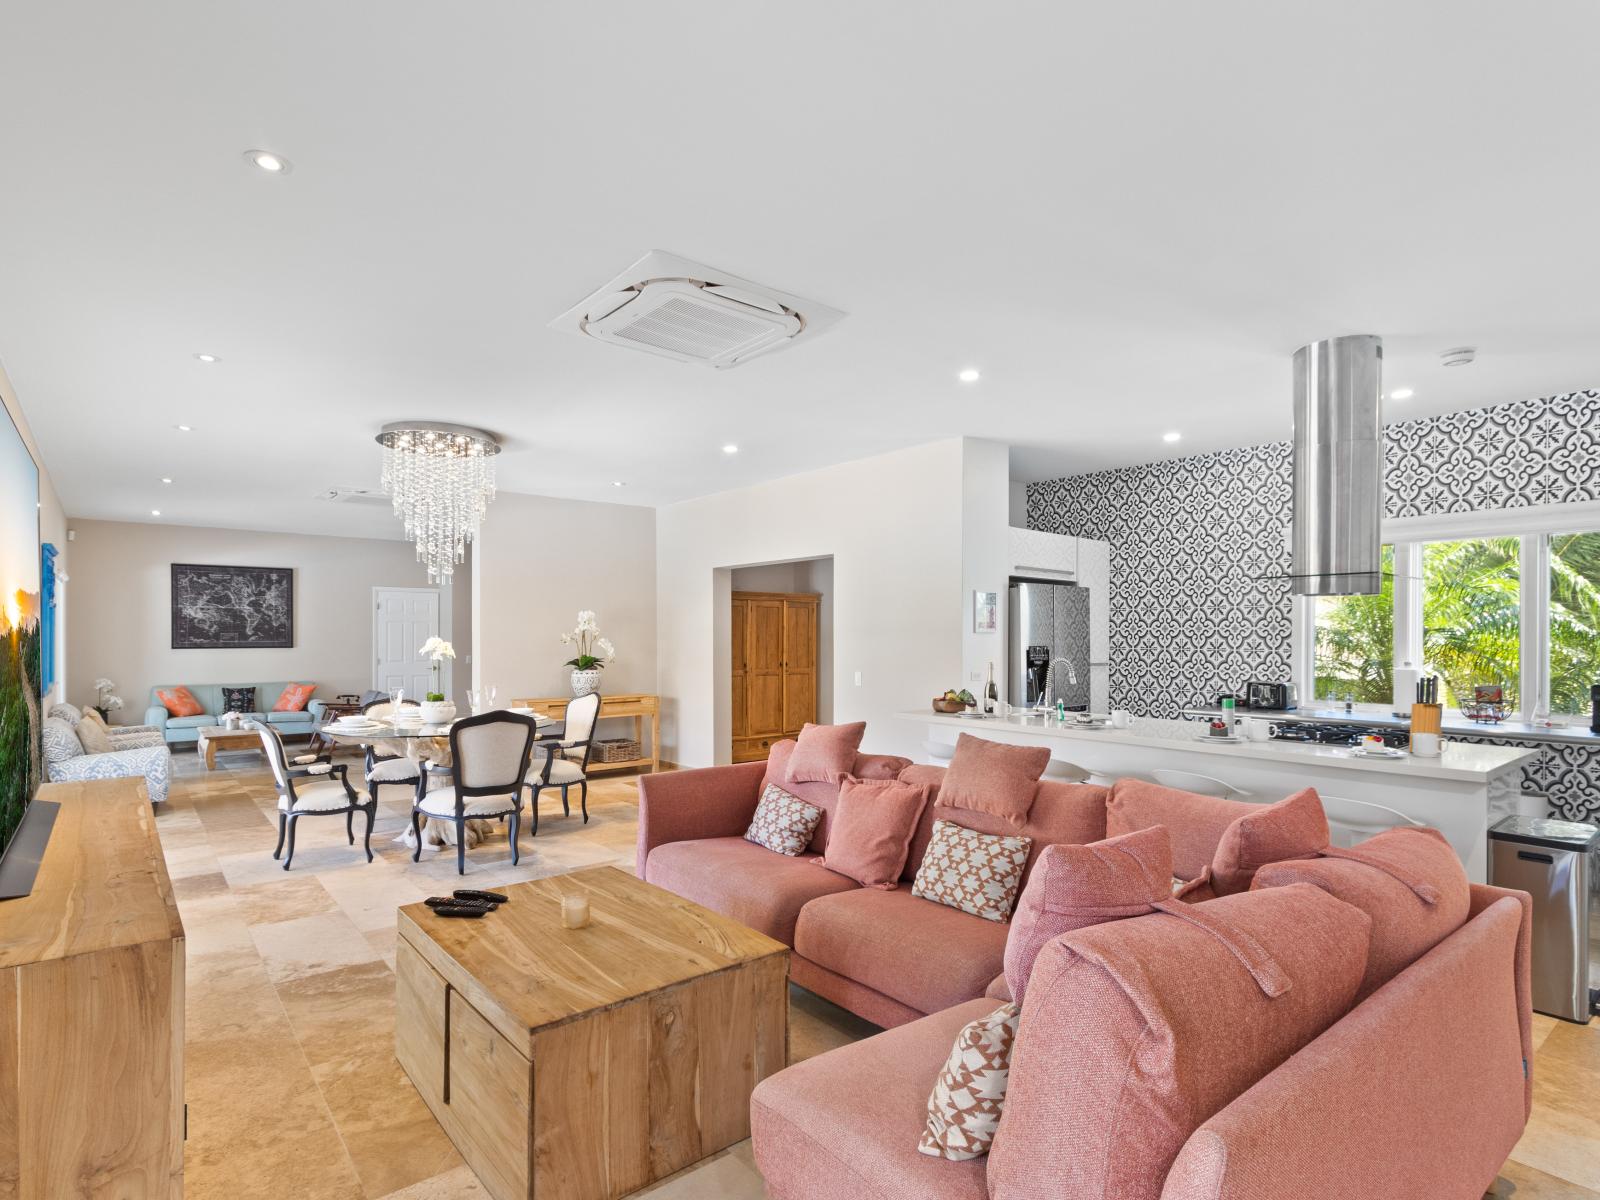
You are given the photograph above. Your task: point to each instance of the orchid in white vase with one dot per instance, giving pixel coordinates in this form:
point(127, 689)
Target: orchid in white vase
point(105, 696)
point(594, 653)
point(437, 649)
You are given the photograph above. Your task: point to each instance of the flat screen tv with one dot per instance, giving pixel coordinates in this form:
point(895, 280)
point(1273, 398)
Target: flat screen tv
point(20, 660)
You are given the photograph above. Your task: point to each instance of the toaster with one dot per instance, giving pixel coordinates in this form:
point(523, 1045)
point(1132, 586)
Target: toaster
point(1278, 696)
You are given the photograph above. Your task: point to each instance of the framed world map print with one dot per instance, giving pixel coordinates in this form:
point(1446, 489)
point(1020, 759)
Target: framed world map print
point(221, 608)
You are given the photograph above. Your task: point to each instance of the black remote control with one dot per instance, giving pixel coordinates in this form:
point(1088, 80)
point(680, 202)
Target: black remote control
point(489, 897)
point(437, 902)
point(460, 910)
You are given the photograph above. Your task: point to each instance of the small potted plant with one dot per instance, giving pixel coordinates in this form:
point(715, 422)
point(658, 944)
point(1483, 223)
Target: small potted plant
point(594, 653)
point(436, 710)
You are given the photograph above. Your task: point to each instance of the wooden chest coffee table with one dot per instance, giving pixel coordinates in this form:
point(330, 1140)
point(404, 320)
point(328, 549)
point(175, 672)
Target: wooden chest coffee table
point(219, 737)
point(585, 1064)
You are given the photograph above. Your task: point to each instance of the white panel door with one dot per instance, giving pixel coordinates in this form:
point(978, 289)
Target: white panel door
point(404, 618)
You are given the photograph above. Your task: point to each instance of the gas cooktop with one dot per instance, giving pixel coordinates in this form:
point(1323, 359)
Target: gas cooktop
point(1339, 735)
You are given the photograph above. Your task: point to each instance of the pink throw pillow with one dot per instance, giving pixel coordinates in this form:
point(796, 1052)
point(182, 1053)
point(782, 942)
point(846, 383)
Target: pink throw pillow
point(825, 753)
point(1408, 880)
point(1194, 822)
point(990, 777)
point(1295, 827)
point(871, 830)
point(1076, 886)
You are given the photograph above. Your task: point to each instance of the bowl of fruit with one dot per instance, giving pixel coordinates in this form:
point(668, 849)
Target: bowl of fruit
point(954, 701)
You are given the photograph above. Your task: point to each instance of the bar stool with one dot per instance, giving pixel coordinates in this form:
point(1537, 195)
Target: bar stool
point(1202, 785)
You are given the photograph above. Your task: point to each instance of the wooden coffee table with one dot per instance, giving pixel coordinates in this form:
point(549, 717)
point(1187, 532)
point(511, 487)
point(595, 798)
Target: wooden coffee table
point(585, 1064)
point(219, 737)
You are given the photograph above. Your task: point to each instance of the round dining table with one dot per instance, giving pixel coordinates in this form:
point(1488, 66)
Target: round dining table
point(426, 745)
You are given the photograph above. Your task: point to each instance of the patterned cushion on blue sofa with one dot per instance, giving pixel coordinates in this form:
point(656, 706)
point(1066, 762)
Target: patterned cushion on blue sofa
point(60, 740)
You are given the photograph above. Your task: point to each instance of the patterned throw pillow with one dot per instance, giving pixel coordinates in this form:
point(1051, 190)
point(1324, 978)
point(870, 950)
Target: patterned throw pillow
point(179, 702)
point(970, 1093)
point(975, 872)
point(239, 699)
point(294, 697)
point(59, 741)
point(783, 822)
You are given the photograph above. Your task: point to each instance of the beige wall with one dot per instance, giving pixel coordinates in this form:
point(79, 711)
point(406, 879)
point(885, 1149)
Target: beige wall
point(122, 616)
point(52, 525)
point(537, 562)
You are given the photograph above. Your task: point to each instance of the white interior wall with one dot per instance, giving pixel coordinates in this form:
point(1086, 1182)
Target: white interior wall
point(536, 563)
point(985, 557)
point(894, 536)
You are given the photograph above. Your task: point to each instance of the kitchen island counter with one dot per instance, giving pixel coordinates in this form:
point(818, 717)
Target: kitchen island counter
point(1461, 793)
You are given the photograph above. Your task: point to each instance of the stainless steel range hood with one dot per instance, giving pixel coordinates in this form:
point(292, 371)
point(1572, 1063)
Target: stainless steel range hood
point(1337, 547)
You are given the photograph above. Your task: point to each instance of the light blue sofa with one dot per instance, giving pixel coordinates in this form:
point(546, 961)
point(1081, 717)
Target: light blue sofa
point(185, 731)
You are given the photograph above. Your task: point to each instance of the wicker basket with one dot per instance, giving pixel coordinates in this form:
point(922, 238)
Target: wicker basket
point(610, 750)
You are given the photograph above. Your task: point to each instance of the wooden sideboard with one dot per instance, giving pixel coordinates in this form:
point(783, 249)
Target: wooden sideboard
point(91, 1008)
point(640, 707)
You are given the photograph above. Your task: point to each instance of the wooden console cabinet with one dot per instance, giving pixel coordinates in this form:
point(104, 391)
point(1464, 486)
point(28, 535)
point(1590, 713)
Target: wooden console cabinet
point(774, 669)
point(91, 1008)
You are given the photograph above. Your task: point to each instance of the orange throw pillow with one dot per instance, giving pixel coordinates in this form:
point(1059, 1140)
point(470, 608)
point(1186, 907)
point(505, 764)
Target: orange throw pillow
point(295, 697)
point(179, 702)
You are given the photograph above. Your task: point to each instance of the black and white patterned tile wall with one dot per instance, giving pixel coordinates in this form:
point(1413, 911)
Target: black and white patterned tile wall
point(1192, 538)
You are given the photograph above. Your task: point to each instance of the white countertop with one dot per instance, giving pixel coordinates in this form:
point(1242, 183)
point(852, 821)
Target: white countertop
point(1458, 760)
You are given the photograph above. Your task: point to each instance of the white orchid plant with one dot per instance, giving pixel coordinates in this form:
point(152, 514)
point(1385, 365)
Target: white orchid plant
point(105, 695)
point(437, 649)
point(594, 651)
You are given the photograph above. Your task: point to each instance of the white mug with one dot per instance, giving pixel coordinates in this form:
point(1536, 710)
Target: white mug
point(1121, 718)
point(1425, 745)
point(1257, 729)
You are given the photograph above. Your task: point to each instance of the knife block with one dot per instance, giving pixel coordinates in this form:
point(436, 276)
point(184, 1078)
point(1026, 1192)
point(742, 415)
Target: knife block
point(1427, 718)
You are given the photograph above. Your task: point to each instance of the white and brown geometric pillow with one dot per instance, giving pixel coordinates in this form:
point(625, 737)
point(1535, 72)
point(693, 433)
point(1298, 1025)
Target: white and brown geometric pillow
point(975, 872)
point(783, 822)
point(970, 1093)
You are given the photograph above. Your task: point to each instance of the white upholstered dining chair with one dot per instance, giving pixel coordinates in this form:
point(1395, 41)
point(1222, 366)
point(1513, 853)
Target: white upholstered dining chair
point(565, 761)
point(489, 763)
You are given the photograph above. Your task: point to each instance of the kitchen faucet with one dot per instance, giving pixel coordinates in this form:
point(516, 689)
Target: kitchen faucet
point(1049, 680)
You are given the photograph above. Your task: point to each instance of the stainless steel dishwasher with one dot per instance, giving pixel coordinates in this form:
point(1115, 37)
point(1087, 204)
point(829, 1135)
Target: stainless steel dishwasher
point(1554, 861)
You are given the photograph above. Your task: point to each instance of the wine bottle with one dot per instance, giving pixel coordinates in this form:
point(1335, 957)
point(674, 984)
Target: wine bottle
point(991, 694)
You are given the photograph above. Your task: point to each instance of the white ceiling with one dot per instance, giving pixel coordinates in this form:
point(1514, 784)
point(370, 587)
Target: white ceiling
point(1128, 216)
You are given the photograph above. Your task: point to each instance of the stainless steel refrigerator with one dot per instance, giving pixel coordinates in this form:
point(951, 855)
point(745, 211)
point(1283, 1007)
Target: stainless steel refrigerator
point(1048, 652)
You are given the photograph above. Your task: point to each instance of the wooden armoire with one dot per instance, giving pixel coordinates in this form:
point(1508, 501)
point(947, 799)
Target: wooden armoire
point(774, 669)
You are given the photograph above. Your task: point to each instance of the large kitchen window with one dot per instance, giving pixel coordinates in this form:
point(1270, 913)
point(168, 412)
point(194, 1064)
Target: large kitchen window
point(1482, 600)
point(1355, 643)
point(1574, 643)
point(1472, 617)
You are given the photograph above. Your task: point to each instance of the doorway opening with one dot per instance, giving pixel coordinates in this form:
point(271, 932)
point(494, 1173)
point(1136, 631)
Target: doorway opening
point(779, 652)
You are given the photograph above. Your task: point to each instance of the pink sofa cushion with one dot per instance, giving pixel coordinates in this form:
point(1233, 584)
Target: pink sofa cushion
point(1408, 880)
point(1136, 1032)
point(872, 828)
point(825, 753)
point(920, 953)
point(1074, 887)
point(1196, 823)
point(1061, 812)
point(1294, 827)
point(844, 1125)
point(826, 795)
point(994, 778)
point(739, 879)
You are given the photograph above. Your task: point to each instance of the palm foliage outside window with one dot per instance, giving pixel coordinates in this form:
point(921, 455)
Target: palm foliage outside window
point(1472, 616)
point(1574, 620)
point(1355, 643)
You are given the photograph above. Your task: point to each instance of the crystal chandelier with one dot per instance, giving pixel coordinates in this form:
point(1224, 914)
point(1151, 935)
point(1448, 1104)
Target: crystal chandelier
point(441, 478)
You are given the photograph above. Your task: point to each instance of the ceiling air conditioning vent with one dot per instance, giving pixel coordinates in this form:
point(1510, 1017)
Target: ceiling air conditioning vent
point(694, 313)
point(355, 495)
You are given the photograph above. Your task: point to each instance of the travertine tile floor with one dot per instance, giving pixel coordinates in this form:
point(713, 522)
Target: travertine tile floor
point(292, 1085)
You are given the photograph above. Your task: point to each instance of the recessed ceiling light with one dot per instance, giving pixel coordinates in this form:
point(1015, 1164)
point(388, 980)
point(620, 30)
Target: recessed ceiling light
point(206, 358)
point(164, 479)
point(273, 164)
point(1171, 437)
point(730, 448)
point(618, 483)
point(970, 375)
point(155, 512)
point(184, 428)
point(1402, 394)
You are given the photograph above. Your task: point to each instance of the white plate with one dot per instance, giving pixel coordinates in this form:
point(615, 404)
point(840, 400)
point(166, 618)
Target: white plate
point(1223, 741)
point(1386, 752)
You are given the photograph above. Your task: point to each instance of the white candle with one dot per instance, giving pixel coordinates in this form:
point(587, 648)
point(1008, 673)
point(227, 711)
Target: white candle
point(574, 911)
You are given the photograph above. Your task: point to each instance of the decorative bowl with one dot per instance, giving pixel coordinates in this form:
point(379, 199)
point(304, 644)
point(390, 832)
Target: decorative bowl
point(438, 712)
point(941, 705)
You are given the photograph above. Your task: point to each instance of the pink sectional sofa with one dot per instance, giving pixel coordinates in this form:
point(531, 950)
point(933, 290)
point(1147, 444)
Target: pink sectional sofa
point(1415, 1086)
point(887, 956)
